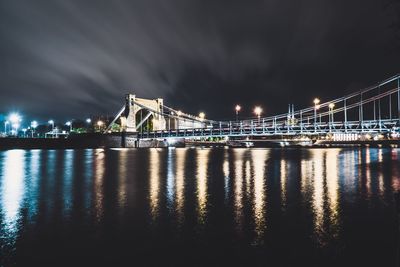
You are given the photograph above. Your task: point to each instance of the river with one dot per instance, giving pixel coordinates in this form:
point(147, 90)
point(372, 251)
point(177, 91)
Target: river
point(199, 207)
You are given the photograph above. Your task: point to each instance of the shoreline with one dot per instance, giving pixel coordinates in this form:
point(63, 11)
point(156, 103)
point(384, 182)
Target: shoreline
point(93, 141)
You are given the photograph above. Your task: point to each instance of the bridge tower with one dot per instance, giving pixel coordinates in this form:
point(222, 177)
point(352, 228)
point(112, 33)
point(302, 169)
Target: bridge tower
point(134, 104)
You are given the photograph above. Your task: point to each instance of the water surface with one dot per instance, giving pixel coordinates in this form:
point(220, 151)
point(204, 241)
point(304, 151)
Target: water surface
point(199, 207)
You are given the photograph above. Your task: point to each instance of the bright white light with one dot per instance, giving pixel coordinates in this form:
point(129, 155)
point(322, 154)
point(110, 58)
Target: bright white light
point(51, 122)
point(88, 120)
point(316, 101)
point(258, 110)
point(14, 118)
point(238, 108)
point(202, 115)
point(12, 190)
point(68, 123)
point(34, 124)
point(171, 141)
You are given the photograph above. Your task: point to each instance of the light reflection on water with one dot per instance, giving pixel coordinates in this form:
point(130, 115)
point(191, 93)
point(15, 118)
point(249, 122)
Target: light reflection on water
point(254, 192)
point(68, 176)
point(332, 184)
point(12, 193)
point(154, 169)
point(238, 188)
point(180, 184)
point(99, 170)
point(283, 179)
point(201, 177)
point(259, 160)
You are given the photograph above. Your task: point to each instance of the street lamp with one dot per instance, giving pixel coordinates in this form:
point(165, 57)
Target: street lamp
point(331, 120)
point(24, 131)
point(258, 111)
point(34, 124)
point(316, 106)
point(100, 124)
point(331, 106)
point(5, 127)
point(202, 115)
point(237, 109)
point(69, 123)
point(52, 127)
point(15, 120)
point(88, 120)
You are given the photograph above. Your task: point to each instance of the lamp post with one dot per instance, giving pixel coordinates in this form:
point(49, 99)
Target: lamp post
point(100, 124)
point(202, 116)
point(51, 122)
point(257, 112)
point(331, 120)
point(15, 121)
point(237, 109)
point(5, 126)
point(69, 123)
point(316, 106)
point(34, 124)
point(89, 122)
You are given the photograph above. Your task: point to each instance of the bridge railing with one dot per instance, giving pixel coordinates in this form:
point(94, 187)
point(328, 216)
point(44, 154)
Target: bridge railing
point(370, 126)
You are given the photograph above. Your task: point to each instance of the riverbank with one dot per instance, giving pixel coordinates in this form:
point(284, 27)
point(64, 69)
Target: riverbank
point(74, 142)
point(130, 141)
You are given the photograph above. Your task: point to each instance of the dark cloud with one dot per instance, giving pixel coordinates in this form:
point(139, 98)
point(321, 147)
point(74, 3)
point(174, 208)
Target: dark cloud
point(73, 58)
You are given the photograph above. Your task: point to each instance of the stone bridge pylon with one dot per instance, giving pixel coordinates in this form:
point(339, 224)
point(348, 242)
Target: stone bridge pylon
point(130, 122)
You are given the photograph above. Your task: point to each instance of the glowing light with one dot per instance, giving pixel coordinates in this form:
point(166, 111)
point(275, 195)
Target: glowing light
point(316, 101)
point(68, 123)
point(331, 105)
point(202, 115)
point(34, 124)
point(238, 108)
point(258, 110)
point(179, 113)
point(14, 118)
point(100, 123)
point(88, 120)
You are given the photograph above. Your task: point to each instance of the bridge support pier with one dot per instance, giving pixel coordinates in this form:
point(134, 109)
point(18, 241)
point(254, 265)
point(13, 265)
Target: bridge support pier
point(133, 105)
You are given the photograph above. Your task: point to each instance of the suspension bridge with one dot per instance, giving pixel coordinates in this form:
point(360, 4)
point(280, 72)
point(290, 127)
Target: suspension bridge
point(368, 114)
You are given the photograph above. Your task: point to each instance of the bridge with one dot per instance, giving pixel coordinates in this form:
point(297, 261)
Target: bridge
point(369, 113)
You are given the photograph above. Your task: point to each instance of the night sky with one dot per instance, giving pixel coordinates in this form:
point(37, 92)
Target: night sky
point(69, 59)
